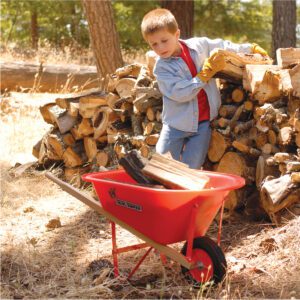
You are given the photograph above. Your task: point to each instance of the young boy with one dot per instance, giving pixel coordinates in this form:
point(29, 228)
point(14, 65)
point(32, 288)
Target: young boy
point(184, 71)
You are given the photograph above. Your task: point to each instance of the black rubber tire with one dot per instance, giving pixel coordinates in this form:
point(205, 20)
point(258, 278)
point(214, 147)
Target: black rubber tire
point(215, 253)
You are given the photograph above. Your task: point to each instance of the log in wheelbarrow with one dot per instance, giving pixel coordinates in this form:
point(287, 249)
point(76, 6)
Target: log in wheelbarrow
point(161, 217)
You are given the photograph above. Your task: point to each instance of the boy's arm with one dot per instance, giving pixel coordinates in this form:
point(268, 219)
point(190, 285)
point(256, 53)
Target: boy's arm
point(227, 45)
point(175, 87)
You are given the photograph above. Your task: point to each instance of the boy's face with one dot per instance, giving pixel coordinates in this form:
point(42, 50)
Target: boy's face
point(164, 43)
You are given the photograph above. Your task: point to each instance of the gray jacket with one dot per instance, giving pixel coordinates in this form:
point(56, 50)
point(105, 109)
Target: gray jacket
point(180, 89)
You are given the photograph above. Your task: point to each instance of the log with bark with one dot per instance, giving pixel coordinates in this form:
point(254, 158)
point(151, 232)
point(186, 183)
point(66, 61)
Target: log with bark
point(16, 76)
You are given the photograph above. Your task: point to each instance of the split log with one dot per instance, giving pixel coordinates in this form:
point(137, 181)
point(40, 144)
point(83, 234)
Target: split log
point(295, 178)
point(238, 95)
point(124, 87)
point(47, 116)
point(143, 79)
point(282, 157)
point(46, 78)
point(100, 121)
point(285, 136)
point(297, 139)
point(146, 151)
point(74, 156)
point(236, 62)
point(265, 169)
point(151, 112)
point(253, 76)
point(85, 128)
point(243, 126)
point(272, 137)
point(275, 194)
point(120, 150)
point(152, 139)
point(174, 174)
point(90, 147)
point(242, 147)
point(235, 163)
point(68, 139)
point(287, 57)
point(112, 99)
point(293, 166)
point(291, 81)
point(56, 144)
point(102, 158)
point(248, 105)
point(269, 89)
point(217, 147)
point(64, 101)
point(136, 122)
point(62, 119)
point(133, 163)
point(227, 111)
point(152, 128)
point(141, 104)
point(88, 105)
point(260, 140)
point(36, 149)
point(131, 70)
point(73, 109)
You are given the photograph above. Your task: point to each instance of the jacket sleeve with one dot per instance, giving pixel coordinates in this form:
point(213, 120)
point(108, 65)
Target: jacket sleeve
point(227, 45)
point(176, 88)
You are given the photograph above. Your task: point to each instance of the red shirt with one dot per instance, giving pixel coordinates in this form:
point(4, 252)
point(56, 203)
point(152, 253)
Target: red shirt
point(203, 105)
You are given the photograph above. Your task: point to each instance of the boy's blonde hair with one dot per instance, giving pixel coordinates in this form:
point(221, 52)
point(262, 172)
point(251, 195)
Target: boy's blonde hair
point(158, 19)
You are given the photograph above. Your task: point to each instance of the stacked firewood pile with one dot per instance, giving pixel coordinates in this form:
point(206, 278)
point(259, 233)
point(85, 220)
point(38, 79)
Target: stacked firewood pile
point(97, 127)
point(256, 134)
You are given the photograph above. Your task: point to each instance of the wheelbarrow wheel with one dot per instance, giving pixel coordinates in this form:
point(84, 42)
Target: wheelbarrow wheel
point(211, 262)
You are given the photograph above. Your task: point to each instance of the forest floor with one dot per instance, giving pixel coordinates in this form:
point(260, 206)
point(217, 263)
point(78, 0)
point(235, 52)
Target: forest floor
point(74, 260)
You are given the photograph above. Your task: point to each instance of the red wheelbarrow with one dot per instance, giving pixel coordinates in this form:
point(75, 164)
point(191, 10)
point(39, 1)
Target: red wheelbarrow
point(161, 217)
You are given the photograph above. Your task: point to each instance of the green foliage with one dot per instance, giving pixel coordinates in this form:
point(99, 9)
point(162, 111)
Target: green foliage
point(60, 22)
point(128, 17)
point(238, 21)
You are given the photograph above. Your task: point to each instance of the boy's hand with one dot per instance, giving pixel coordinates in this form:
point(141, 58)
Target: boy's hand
point(257, 49)
point(211, 66)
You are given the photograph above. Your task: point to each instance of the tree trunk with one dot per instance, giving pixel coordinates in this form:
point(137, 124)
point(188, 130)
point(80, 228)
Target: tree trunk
point(34, 29)
point(184, 13)
point(103, 35)
point(284, 24)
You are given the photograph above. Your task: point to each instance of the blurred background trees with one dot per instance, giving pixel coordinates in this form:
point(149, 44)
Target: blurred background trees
point(60, 23)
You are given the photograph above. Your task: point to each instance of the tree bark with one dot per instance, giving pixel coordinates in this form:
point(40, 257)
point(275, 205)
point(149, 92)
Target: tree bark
point(34, 29)
point(103, 35)
point(183, 11)
point(284, 24)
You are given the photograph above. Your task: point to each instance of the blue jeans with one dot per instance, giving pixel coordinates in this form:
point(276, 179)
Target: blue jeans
point(188, 147)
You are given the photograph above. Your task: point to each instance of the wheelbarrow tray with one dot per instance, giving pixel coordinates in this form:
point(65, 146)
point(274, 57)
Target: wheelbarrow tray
point(163, 215)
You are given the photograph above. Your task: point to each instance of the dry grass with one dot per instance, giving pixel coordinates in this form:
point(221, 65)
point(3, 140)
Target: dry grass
point(68, 55)
point(36, 262)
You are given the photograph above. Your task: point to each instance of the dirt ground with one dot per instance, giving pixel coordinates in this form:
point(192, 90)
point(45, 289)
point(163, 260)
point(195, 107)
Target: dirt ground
point(74, 261)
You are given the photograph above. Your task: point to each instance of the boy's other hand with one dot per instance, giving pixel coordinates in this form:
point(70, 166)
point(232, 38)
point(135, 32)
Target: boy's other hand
point(257, 49)
point(211, 66)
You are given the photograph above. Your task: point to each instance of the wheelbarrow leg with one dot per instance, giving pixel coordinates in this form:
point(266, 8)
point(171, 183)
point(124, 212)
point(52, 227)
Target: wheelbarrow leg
point(191, 231)
point(139, 263)
point(114, 248)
